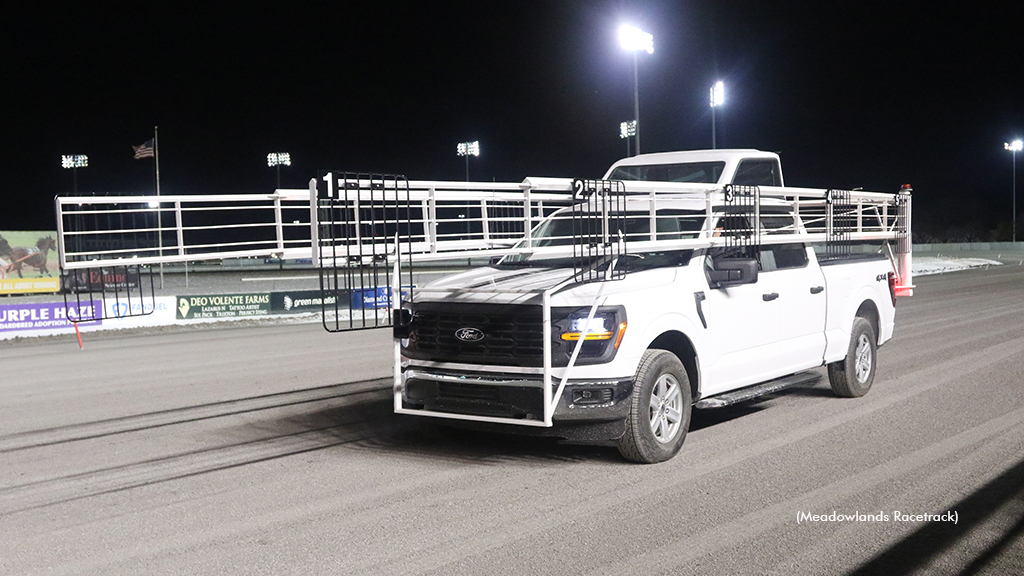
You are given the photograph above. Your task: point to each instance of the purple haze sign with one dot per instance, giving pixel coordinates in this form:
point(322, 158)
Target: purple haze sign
point(41, 316)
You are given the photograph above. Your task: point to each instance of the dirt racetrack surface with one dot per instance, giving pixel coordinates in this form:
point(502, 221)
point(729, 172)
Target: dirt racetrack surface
point(272, 449)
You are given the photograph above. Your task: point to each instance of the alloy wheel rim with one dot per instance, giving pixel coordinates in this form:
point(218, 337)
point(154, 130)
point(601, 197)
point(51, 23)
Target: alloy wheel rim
point(863, 356)
point(666, 408)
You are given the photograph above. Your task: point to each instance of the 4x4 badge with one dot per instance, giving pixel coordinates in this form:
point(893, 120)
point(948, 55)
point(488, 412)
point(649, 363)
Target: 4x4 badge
point(469, 334)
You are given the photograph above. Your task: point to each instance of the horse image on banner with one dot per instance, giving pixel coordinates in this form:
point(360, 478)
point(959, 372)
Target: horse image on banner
point(28, 262)
point(35, 257)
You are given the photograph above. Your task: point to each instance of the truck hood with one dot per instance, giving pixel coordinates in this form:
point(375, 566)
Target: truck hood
point(488, 284)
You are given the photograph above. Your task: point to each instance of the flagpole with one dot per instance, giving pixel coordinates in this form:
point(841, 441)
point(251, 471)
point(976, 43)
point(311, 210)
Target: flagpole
point(159, 213)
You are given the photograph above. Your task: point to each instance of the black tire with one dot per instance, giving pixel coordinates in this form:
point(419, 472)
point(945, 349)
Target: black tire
point(659, 414)
point(852, 377)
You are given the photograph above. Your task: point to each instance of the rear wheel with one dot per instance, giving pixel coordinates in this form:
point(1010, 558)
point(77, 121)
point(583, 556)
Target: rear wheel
point(852, 377)
point(659, 416)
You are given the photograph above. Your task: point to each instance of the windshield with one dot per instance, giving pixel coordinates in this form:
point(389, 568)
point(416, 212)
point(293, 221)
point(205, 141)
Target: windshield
point(698, 172)
point(671, 224)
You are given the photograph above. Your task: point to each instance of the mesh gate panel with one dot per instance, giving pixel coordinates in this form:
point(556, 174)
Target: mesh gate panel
point(598, 229)
point(365, 229)
point(840, 223)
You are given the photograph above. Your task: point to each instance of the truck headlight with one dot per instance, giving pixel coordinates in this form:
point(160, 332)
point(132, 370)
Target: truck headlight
point(603, 326)
point(598, 340)
point(599, 328)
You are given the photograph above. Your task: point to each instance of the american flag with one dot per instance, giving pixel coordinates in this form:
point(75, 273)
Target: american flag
point(145, 150)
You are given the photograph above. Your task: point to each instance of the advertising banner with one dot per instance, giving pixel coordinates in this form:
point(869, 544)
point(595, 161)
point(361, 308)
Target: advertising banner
point(44, 315)
point(215, 306)
point(28, 262)
point(303, 301)
point(110, 279)
point(373, 298)
point(50, 318)
point(29, 285)
point(140, 312)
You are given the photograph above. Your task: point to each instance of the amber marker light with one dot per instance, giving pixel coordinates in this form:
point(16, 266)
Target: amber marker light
point(590, 336)
point(622, 332)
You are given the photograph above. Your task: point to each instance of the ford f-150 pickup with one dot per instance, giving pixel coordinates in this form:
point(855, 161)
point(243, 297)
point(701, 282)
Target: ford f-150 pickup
point(716, 295)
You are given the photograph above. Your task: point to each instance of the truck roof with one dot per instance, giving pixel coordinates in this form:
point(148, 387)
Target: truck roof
point(730, 156)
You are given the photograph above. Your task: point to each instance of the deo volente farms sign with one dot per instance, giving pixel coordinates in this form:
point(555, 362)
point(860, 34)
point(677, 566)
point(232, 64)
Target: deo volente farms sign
point(213, 306)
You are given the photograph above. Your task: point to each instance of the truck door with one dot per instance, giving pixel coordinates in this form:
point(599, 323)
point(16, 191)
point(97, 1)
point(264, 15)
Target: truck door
point(801, 288)
point(743, 328)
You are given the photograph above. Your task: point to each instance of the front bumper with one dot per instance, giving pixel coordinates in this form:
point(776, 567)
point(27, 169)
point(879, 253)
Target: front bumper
point(513, 395)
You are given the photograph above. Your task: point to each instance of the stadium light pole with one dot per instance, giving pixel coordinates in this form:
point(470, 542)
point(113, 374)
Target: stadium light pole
point(717, 99)
point(1014, 147)
point(74, 162)
point(468, 149)
point(635, 40)
point(627, 129)
point(278, 159)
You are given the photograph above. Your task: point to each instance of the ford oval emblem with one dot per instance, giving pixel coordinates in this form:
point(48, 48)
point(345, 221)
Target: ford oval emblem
point(469, 334)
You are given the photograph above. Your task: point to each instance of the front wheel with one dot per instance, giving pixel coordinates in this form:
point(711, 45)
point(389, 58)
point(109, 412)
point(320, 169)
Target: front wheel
point(660, 412)
point(852, 377)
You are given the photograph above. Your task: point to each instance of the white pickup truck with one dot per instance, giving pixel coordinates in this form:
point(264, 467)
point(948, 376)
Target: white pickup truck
point(610, 308)
point(708, 291)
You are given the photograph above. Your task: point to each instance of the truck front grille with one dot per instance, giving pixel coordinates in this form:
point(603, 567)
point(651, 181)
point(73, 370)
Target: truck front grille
point(512, 334)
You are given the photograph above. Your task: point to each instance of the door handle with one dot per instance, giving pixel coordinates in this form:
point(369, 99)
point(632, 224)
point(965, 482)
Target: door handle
point(769, 297)
point(817, 289)
point(699, 297)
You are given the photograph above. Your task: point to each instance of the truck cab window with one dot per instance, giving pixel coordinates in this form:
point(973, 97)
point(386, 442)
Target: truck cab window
point(758, 172)
point(776, 220)
point(782, 257)
point(769, 257)
point(719, 253)
point(697, 172)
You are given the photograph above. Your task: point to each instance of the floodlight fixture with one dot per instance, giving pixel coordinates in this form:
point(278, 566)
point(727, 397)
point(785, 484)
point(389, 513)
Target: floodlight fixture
point(717, 99)
point(468, 148)
point(718, 94)
point(633, 38)
point(627, 129)
point(74, 160)
point(1014, 147)
point(279, 159)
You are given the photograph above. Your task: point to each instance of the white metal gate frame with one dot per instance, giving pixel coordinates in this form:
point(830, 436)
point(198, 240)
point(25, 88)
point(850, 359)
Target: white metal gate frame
point(813, 222)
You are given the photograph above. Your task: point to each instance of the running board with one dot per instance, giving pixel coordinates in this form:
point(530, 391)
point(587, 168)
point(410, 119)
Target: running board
point(756, 391)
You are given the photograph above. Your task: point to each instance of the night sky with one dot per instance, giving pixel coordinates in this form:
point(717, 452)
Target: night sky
point(852, 94)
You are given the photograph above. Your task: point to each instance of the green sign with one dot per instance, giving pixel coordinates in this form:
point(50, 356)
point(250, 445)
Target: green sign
point(213, 306)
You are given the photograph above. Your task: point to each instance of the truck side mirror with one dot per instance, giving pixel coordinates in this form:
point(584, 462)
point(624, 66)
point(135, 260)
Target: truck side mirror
point(732, 272)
